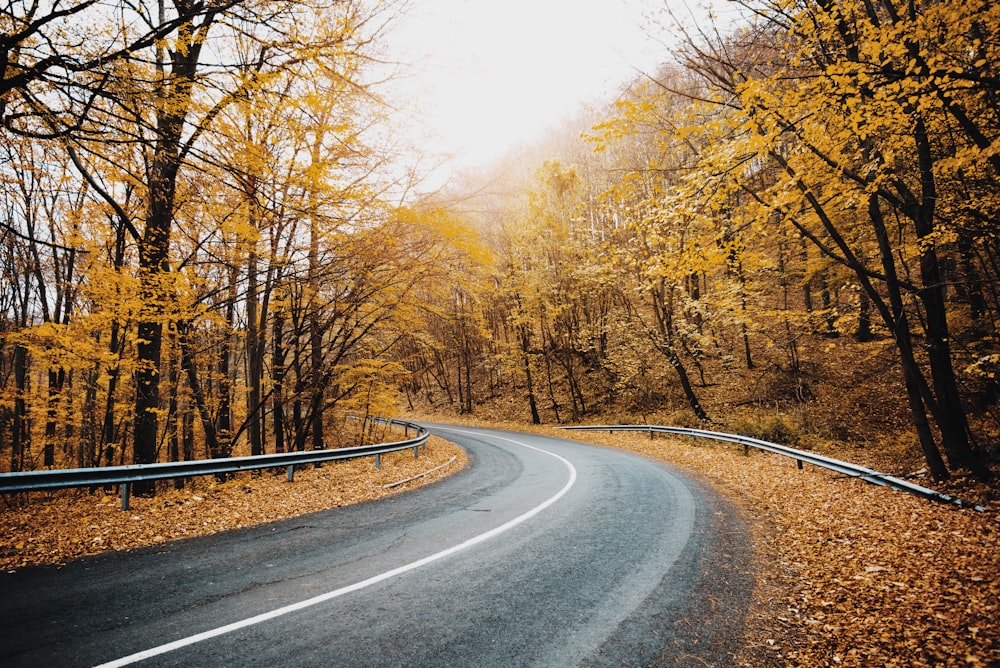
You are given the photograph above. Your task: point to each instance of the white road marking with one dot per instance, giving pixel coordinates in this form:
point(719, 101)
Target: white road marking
point(382, 577)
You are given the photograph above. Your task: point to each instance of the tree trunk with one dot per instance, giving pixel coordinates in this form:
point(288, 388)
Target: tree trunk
point(174, 423)
point(88, 429)
point(224, 422)
point(315, 340)
point(898, 324)
point(153, 268)
point(951, 419)
point(189, 368)
point(278, 379)
point(154, 245)
point(255, 358)
point(56, 380)
point(532, 402)
point(664, 322)
point(109, 431)
point(864, 333)
point(674, 360)
point(20, 433)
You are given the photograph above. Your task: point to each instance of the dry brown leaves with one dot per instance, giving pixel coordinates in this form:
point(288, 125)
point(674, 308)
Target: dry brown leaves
point(852, 574)
point(849, 574)
point(73, 523)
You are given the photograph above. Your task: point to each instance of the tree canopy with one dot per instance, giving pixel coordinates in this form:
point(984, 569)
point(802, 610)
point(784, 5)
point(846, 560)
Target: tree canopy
point(205, 253)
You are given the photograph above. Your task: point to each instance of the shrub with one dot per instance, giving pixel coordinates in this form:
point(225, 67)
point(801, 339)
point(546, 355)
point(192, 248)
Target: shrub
point(774, 428)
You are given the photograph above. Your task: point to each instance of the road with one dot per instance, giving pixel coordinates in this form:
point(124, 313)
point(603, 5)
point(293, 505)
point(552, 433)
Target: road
point(543, 552)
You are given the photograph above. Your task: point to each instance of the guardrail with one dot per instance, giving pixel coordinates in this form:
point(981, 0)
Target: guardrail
point(124, 476)
point(846, 468)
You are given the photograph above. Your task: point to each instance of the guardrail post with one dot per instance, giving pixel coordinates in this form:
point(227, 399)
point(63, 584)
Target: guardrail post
point(798, 463)
point(291, 473)
point(126, 492)
point(416, 451)
point(378, 461)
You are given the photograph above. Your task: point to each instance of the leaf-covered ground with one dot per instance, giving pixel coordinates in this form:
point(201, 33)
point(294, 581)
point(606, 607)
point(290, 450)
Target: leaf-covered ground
point(70, 524)
point(852, 574)
point(849, 574)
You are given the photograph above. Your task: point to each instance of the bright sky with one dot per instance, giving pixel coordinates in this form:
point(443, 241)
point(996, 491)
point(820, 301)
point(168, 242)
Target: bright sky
point(491, 75)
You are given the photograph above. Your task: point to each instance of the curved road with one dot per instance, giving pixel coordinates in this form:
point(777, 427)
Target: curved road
point(544, 552)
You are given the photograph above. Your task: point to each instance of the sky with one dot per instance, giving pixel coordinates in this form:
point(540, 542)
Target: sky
point(487, 76)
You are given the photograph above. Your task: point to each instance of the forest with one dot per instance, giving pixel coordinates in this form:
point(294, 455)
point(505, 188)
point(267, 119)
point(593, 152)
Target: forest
point(212, 242)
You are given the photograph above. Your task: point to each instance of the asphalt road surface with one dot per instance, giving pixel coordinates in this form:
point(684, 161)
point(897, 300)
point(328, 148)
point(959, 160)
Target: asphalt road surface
point(544, 552)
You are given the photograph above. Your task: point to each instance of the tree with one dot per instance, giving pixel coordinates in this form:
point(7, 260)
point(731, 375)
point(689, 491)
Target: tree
point(53, 62)
point(663, 243)
point(189, 99)
point(555, 295)
point(201, 151)
point(859, 139)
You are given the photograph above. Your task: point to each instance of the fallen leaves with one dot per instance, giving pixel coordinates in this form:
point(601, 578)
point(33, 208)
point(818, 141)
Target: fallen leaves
point(75, 523)
point(849, 574)
point(852, 574)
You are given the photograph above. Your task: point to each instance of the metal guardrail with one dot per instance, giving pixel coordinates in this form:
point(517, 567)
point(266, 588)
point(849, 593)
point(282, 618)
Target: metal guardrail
point(124, 476)
point(846, 468)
